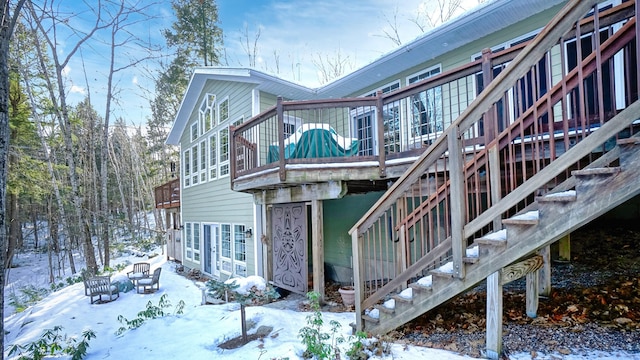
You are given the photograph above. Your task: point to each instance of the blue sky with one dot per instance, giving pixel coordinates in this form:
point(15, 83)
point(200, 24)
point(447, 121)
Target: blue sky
point(296, 31)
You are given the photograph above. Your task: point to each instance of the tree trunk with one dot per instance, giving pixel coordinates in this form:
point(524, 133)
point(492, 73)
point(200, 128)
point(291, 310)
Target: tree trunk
point(34, 219)
point(14, 228)
point(6, 28)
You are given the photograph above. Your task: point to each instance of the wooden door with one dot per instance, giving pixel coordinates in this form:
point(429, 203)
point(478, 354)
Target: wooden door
point(289, 222)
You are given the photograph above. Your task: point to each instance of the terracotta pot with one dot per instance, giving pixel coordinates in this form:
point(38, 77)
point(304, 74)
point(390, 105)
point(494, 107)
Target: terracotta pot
point(348, 295)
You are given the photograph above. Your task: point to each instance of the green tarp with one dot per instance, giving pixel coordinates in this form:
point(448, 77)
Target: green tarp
point(314, 142)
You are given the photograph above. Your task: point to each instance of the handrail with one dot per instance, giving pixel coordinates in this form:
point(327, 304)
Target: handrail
point(521, 64)
point(449, 145)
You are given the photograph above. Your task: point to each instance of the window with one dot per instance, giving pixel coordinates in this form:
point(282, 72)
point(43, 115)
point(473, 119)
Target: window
point(224, 152)
point(233, 250)
point(194, 131)
point(192, 241)
point(224, 111)
point(196, 242)
point(194, 165)
point(426, 108)
point(186, 160)
point(209, 159)
point(203, 161)
point(213, 156)
point(385, 89)
point(225, 247)
point(239, 250)
point(363, 121)
point(208, 113)
point(188, 242)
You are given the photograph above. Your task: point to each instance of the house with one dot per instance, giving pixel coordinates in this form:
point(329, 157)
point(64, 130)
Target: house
point(456, 159)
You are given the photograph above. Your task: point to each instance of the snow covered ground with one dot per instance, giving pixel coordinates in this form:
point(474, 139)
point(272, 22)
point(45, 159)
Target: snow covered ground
point(195, 334)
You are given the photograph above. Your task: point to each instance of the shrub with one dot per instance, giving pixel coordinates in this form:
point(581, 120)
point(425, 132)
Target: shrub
point(151, 312)
point(319, 344)
point(51, 343)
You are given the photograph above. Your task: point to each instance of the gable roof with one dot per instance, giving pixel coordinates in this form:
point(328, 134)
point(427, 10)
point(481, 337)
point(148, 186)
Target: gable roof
point(471, 26)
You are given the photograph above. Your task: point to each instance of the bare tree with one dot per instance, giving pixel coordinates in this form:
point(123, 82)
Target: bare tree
point(250, 44)
point(436, 13)
point(429, 15)
point(48, 24)
point(331, 66)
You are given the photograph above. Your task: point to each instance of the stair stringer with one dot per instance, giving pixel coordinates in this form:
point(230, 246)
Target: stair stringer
point(556, 219)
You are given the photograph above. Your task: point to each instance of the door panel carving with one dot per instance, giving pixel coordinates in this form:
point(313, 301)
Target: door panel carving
point(290, 247)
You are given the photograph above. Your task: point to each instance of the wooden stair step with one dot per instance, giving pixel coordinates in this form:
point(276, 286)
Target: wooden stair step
point(596, 171)
point(442, 274)
point(629, 141)
point(401, 299)
point(470, 259)
point(565, 196)
point(420, 288)
point(495, 238)
point(370, 319)
point(528, 218)
point(384, 309)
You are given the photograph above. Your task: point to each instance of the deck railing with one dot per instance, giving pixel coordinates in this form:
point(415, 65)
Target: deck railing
point(521, 136)
point(351, 130)
point(167, 195)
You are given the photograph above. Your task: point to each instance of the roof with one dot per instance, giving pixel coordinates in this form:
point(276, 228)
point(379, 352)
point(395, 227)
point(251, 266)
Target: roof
point(471, 26)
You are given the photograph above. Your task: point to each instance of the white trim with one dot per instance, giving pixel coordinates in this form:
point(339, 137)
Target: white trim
point(421, 72)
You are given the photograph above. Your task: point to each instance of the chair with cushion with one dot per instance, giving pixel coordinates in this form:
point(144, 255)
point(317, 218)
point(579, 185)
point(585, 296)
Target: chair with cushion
point(149, 282)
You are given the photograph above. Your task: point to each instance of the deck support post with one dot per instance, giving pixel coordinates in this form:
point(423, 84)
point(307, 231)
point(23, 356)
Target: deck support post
point(564, 251)
point(532, 294)
point(456, 173)
point(358, 275)
point(544, 274)
point(494, 315)
point(317, 247)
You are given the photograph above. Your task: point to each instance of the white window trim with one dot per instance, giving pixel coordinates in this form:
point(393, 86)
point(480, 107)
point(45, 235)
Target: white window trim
point(412, 139)
point(388, 85)
point(233, 263)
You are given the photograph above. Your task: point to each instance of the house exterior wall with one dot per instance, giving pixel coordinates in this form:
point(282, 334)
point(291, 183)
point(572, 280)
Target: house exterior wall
point(211, 202)
point(338, 217)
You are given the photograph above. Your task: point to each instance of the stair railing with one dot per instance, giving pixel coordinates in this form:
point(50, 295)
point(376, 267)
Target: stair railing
point(456, 191)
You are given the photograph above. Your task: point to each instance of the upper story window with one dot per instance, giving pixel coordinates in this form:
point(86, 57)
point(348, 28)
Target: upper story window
point(224, 110)
point(207, 114)
point(385, 89)
point(207, 158)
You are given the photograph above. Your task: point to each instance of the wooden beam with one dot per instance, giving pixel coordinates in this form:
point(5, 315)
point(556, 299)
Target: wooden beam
point(302, 193)
point(544, 273)
point(494, 315)
point(317, 247)
point(458, 199)
point(520, 269)
point(268, 244)
point(564, 250)
point(532, 294)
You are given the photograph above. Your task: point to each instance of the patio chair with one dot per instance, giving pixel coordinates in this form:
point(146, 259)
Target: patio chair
point(140, 271)
point(101, 285)
point(149, 282)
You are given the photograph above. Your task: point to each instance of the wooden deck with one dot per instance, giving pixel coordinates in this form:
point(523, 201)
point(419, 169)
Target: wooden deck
point(387, 145)
point(167, 195)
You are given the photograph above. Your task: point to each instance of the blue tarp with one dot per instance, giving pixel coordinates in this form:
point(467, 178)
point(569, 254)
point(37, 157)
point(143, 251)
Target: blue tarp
point(314, 141)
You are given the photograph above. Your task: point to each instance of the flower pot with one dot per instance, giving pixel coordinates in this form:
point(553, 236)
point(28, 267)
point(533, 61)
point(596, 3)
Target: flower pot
point(348, 295)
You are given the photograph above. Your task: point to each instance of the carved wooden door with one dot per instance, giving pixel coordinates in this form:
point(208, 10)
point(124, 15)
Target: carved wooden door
point(290, 246)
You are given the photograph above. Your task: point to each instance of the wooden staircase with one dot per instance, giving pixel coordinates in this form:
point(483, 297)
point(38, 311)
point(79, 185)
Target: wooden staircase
point(597, 191)
point(462, 213)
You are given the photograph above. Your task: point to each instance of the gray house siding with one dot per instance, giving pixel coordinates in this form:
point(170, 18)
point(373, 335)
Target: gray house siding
point(212, 202)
